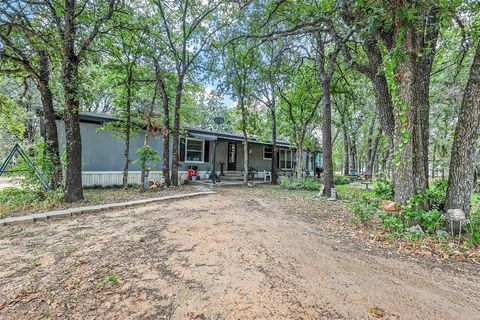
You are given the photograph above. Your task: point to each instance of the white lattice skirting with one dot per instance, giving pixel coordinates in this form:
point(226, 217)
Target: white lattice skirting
point(114, 178)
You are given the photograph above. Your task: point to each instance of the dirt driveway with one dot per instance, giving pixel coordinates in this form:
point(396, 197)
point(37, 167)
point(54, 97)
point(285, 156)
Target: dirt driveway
point(5, 182)
point(239, 254)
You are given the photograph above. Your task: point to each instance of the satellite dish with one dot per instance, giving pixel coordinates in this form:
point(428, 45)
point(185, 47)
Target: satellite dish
point(218, 120)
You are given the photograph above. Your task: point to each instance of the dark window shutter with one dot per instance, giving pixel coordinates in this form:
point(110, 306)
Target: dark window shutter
point(182, 149)
point(206, 152)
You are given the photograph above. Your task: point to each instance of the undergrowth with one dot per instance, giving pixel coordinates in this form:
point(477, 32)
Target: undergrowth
point(18, 199)
point(414, 223)
point(307, 183)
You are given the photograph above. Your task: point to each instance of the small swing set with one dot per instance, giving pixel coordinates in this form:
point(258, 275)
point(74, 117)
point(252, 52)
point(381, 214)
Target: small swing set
point(17, 149)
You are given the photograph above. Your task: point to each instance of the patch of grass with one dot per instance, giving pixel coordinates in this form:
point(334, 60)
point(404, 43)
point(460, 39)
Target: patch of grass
point(107, 282)
point(351, 192)
point(19, 201)
point(32, 262)
point(363, 210)
point(306, 183)
point(340, 180)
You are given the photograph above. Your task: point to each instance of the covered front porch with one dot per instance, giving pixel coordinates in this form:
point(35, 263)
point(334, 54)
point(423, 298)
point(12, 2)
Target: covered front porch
point(205, 151)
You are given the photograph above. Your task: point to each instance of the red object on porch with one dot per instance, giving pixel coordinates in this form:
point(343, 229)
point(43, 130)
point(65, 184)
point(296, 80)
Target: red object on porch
point(192, 172)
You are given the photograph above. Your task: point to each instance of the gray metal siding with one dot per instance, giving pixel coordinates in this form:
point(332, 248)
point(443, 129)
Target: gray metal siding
point(103, 152)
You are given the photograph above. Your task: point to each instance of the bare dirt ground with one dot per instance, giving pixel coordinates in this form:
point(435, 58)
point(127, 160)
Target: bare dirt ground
point(240, 254)
point(5, 182)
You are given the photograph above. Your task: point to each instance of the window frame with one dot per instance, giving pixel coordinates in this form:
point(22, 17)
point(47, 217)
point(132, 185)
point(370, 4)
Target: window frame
point(271, 153)
point(283, 162)
point(186, 150)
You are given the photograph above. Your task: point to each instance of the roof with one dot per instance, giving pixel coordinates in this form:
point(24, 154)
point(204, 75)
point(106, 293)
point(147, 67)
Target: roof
point(203, 133)
point(97, 118)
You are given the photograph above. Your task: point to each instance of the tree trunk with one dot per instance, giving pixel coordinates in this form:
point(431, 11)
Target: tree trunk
point(26, 102)
point(464, 148)
point(51, 134)
point(383, 99)
point(165, 129)
point(346, 147)
point(298, 160)
point(144, 163)
point(274, 145)
point(371, 163)
point(327, 139)
point(70, 80)
point(353, 153)
point(385, 157)
point(410, 176)
point(245, 141)
point(128, 120)
point(434, 160)
point(176, 131)
point(148, 131)
point(368, 160)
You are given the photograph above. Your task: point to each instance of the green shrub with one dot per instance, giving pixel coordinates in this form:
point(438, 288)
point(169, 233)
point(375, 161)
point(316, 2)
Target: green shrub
point(473, 230)
point(340, 179)
point(309, 183)
point(40, 159)
point(12, 198)
point(437, 193)
point(392, 221)
point(383, 189)
point(289, 183)
point(306, 183)
point(362, 210)
point(429, 220)
point(19, 196)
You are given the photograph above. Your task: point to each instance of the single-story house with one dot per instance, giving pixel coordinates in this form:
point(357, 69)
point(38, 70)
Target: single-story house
point(103, 159)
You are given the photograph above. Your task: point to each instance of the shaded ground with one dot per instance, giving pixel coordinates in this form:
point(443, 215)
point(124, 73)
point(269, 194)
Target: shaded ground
point(242, 254)
point(5, 182)
point(92, 196)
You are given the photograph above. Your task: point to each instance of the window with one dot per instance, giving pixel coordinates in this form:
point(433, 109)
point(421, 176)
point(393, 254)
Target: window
point(194, 150)
point(287, 159)
point(267, 153)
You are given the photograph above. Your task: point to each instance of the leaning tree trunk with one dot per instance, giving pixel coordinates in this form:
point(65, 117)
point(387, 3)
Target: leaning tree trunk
point(70, 80)
point(383, 99)
point(274, 145)
point(464, 148)
point(51, 134)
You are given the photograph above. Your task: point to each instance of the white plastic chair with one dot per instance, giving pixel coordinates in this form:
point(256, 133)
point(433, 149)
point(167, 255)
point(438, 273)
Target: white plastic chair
point(267, 174)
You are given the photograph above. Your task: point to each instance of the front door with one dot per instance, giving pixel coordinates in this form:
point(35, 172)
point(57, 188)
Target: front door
point(232, 156)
